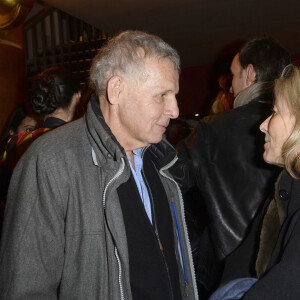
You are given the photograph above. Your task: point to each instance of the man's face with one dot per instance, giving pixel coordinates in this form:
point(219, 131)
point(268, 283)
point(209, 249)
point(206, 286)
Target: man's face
point(149, 104)
point(238, 77)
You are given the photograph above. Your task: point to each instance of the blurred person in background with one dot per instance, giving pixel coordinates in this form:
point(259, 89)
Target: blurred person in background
point(21, 120)
point(223, 157)
point(224, 98)
point(55, 96)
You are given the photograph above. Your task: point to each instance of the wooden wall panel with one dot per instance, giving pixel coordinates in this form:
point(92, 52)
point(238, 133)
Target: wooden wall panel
point(12, 72)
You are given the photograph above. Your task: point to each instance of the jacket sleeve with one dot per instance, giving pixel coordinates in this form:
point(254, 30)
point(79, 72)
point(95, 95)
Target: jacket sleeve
point(282, 281)
point(190, 153)
point(241, 262)
point(32, 245)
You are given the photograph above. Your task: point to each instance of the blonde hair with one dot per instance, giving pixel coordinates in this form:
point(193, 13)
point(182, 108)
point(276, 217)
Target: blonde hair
point(287, 87)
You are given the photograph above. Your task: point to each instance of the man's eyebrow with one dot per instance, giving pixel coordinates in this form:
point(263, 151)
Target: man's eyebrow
point(166, 91)
point(171, 91)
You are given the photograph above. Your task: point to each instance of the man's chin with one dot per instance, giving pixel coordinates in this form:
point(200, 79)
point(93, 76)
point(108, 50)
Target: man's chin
point(157, 139)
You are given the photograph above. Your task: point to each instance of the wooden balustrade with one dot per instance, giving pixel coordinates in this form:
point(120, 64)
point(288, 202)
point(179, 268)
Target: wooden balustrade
point(55, 38)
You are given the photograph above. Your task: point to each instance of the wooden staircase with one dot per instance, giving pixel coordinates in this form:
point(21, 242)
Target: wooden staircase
point(54, 38)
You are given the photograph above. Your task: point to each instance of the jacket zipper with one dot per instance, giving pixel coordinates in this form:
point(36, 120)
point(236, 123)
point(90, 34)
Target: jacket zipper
point(184, 228)
point(116, 176)
point(120, 273)
point(159, 242)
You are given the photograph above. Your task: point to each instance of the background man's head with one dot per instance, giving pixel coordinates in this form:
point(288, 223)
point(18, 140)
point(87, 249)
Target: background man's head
point(55, 89)
point(136, 79)
point(259, 60)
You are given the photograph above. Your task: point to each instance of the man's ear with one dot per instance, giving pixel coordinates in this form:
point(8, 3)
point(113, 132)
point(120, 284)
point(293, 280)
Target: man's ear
point(250, 75)
point(114, 89)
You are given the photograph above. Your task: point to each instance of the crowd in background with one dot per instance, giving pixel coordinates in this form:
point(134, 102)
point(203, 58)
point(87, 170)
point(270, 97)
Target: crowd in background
point(55, 100)
point(41, 113)
point(227, 169)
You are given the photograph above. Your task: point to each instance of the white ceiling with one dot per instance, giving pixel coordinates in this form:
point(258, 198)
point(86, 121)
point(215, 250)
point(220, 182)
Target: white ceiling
point(198, 29)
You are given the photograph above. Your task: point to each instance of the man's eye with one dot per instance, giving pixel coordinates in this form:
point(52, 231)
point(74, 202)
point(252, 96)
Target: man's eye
point(160, 98)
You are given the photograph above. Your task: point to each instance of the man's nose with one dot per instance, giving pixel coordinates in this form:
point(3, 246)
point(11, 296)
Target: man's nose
point(172, 108)
point(231, 90)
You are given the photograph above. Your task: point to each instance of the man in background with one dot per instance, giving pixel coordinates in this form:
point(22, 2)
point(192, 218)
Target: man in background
point(223, 157)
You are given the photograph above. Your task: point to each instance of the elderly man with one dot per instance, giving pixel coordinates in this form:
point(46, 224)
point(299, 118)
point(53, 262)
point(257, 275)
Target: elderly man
point(223, 157)
point(92, 211)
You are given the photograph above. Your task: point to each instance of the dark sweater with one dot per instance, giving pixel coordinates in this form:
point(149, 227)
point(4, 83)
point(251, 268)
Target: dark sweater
point(152, 260)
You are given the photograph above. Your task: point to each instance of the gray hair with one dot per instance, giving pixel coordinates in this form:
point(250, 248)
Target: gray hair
point(125, 55)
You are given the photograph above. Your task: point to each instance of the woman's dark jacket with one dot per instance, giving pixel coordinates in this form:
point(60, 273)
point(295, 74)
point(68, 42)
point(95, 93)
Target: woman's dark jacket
point(281, 279)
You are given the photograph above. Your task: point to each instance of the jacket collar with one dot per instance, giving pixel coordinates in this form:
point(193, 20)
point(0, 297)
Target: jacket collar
point(266, 98)
point(258, 89)
point(101, 138)
point(106, 145)
point(53, 122)
point(162, 153)
point(288, 190)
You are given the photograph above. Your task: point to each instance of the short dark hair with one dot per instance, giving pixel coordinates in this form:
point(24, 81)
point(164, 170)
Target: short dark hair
point(16, 118)
point(267, 56)
point(52, 89)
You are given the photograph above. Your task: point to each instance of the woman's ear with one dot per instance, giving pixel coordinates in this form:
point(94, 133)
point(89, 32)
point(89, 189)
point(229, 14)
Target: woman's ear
point(114, 89)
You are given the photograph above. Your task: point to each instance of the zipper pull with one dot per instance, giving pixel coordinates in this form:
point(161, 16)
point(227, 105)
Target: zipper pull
point(159, 242)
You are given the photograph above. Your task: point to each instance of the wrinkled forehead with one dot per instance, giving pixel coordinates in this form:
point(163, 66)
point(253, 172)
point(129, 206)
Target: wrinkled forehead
point(152, 66)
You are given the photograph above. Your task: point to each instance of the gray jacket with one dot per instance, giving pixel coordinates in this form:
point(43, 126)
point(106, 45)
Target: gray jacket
point(64, 235)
